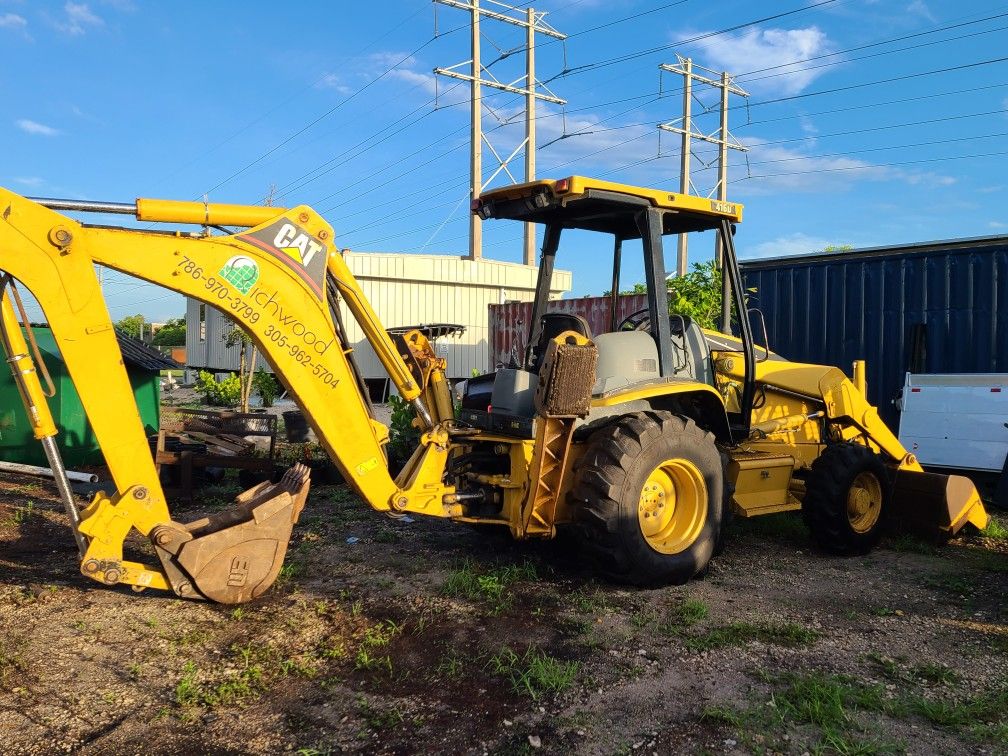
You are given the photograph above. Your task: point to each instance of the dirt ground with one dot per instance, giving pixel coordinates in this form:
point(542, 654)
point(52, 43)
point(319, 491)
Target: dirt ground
point(386, 636)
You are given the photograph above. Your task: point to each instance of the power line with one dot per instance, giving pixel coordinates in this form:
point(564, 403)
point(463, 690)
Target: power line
point(691, 40)
point(873, 166)
point(326, 114)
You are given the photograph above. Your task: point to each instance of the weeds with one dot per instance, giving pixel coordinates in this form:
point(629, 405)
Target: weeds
point(935, 674)
point(535, 673)
point(378, 718)
point(376, 637)
point(22, 514)
point(451, 666)
point(490, 586)
point(742, 633)
point(995, 529)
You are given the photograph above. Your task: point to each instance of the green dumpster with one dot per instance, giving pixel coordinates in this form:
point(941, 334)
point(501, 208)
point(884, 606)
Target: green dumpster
point(76, 440)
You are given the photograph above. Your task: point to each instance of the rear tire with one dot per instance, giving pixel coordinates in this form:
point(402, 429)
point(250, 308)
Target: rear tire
point(648, 498)
point(847, 495)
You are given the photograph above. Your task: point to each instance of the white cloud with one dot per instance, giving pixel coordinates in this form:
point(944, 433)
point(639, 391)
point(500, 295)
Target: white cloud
point(755, 49)
point(391, 58)
point(32, 182)
point(920, 8)
point(12, 21)
point(778, 168)
point(34, 127)
point(797, 243)
point(997, 225)
point(332, 81)
point(78, 19)
point(413, 78)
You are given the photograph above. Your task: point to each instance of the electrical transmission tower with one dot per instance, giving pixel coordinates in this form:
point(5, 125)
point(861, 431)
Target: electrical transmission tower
point(528, 85)
point(687, 128)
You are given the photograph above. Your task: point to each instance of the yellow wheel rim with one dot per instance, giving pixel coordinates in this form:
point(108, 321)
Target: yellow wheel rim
point(673, 506)
point(864, 502)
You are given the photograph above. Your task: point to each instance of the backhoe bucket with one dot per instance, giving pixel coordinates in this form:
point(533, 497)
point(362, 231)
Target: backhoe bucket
point(236, 555)
point(934, 505)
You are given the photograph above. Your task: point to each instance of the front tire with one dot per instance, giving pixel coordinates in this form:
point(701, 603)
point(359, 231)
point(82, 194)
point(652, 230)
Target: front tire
point(847, 496)
point(648, 498)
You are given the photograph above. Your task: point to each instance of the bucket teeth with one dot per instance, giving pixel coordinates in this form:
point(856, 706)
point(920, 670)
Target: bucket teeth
point(234, 556)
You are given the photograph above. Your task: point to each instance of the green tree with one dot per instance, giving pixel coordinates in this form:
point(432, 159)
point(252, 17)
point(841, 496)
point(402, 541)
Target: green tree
point(132, 325)
point(696, 295)
point(171, 334)
point(836, 248)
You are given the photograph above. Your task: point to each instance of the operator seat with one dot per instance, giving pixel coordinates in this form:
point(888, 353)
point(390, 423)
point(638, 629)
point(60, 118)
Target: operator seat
point(553, 324)
point(690, 351)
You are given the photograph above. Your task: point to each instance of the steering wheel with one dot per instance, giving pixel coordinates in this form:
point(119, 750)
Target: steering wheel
point(636, 321)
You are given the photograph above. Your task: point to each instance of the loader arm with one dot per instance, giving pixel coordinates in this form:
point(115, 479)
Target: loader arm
point(924, 502)
point(272, 280)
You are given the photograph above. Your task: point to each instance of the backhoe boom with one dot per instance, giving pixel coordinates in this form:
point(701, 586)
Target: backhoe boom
point(271, 279)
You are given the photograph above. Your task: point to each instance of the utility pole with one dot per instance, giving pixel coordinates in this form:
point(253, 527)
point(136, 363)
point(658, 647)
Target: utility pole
point(479, 76)
point(686, 127)
point(530, 131)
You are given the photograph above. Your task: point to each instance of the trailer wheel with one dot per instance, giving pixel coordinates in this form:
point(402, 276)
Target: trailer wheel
point(648, 498)
point(847, 495)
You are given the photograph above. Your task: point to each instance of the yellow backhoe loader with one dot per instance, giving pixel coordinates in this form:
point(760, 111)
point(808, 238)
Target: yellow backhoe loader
point(641, 440)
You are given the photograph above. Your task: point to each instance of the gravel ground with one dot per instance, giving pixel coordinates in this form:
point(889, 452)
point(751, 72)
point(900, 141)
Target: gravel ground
point(388, 636)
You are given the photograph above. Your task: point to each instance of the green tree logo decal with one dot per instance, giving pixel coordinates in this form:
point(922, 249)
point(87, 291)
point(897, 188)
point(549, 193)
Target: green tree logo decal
point(241, 272)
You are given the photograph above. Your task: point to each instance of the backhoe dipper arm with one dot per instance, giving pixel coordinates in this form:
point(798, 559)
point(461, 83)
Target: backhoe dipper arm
point(271, 280)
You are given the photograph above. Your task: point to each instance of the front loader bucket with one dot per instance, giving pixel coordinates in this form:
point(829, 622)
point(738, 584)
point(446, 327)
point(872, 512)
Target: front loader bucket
point(236, 555)
point(934, 505)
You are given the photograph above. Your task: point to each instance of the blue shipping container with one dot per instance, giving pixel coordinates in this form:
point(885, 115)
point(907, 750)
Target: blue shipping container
point(938, 307)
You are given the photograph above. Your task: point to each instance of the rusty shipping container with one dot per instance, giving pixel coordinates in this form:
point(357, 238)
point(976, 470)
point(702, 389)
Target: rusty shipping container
point(509, 323)
point(937, 307)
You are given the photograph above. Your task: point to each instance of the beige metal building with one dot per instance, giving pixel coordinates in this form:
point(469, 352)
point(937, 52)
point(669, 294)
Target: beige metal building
point(404, 290)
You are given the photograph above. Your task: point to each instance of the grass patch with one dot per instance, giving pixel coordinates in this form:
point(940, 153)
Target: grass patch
point(379, 718)
point(995, 529)
point(376, 639)
point(843, 711)
point(671, 621)
point(741, 633)
point(935, 674)
point(490, 585)
point(691, 611)
point(535, 673)
point(911, 544)
point(593, 602)
point(22, 514)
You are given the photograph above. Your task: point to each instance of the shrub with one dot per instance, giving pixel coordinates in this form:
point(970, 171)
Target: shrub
point(266, 386)
point(226, 393)
point(404, 437)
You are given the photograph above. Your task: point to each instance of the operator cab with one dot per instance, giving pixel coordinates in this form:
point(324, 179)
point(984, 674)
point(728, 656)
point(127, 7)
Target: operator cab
point(645, 348)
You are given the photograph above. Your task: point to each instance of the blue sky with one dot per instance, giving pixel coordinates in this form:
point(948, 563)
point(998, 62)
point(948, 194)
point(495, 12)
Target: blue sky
point(857, 133)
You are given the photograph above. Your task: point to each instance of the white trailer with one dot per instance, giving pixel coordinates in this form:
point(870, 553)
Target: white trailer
point(956, 420)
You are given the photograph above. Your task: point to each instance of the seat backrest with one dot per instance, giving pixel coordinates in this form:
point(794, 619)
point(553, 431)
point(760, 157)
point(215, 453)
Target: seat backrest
point(624, 358)
point(691, 353)
point(553, 324)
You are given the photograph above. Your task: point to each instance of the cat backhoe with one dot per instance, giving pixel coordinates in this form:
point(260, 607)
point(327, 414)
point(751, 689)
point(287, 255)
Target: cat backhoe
point(641, 440)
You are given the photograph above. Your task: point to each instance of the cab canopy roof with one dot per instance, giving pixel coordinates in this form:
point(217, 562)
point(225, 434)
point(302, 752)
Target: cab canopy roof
point(594, 205)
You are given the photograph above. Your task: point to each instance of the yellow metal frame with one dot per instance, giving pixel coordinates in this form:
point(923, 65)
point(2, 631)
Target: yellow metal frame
point(286, 315)
point(574, 187)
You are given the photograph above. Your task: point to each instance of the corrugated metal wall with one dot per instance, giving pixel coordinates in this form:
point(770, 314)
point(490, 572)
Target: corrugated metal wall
point(509, 323)
point(833, 309)
point(404, 290)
